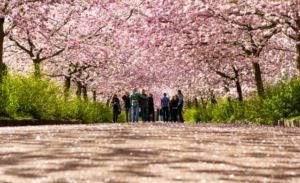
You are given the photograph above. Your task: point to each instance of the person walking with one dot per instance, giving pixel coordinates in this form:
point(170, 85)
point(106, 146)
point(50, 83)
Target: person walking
point(127, 106)
point(115, 102)
point(165, 101)
point(174, 108)
point(151, 115)
point(144, 105)
point(180, 106)
point(134, 98)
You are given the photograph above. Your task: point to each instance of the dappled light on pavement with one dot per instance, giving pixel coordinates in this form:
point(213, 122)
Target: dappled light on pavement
point(149, 153)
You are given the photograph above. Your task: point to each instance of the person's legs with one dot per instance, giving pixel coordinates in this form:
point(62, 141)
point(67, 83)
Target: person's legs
point(151, 115)
point(164, 114)
point(114, 116)
point(133, 114)
point(167, 114)
point(143, 113)
point(175, 111)
point(127, 114)
point(161, 114)
point(173, 115)
point(136, 115)
point(146, 114)
point(180, 114)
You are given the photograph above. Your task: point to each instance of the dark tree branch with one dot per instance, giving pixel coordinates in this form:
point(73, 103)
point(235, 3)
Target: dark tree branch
point(68, 18)
point(53, 55)
point(29, 52)
point(222, 74)
point(30, 43)
point(54, 75)
point(130, 14)
point(284, 49)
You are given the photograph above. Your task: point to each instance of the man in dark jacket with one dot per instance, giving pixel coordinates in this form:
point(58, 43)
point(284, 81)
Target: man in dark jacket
point(151, 108)
point(180, 106)
point(115, 102)
point(174, 108)
point(144, 105)
point(165, 101)
point(127, 105)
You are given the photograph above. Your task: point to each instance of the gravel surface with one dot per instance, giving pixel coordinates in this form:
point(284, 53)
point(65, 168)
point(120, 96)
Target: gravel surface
point(149, 153)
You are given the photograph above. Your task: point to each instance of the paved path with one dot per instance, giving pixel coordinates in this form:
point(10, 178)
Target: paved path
point(149, 153)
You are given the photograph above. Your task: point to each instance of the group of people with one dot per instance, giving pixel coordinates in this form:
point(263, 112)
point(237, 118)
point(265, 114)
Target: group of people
point(173, 107)
point(140, 104)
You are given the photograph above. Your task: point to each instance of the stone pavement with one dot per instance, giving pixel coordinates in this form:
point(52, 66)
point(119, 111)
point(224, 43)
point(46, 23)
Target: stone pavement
point(149, 153)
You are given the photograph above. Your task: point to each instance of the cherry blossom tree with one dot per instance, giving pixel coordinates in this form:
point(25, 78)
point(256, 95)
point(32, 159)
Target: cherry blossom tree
point(7, 9)
point(286, 14)
point(109, 46)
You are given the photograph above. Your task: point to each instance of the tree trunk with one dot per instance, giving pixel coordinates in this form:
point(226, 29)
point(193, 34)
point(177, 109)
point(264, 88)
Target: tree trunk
point(238, 83)
point(298, 44)
point(258, 79)
point(196, 104)
point(67, 85)
point(239, 89)
point(203, 102)
point(298, 55)
point(37, 68)
point(78, 91)
point(2, 35)
point(94, 96)
point(84, 92)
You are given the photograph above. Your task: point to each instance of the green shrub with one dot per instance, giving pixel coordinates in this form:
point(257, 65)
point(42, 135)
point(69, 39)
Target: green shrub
point(222, 111)
point(92, 112)
point(200, 114)
point(190, 115)
point(33, 98)
point(204, 113)
point(281, 101)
